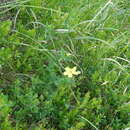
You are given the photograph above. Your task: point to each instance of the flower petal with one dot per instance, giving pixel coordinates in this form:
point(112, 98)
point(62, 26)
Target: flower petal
point(77, 73)
point(70, 75)
point(67, 69)
point(73, 69)
point(65, 73)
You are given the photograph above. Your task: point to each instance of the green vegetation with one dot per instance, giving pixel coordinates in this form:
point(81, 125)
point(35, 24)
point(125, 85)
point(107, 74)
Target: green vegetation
point(65, 65)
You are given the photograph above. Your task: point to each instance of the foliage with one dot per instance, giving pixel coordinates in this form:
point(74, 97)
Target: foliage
point(42, 39)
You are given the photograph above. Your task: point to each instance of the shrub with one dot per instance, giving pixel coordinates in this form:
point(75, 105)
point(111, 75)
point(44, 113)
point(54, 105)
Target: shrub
point(65, 65)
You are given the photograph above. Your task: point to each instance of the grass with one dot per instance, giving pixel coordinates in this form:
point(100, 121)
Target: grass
point(39, 39)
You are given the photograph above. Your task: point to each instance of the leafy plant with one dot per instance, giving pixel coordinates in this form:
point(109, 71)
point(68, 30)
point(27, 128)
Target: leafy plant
point(64, 65)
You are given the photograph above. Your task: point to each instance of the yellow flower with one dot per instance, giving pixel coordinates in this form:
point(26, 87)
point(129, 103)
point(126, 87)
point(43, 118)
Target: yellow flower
point(70, 72)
